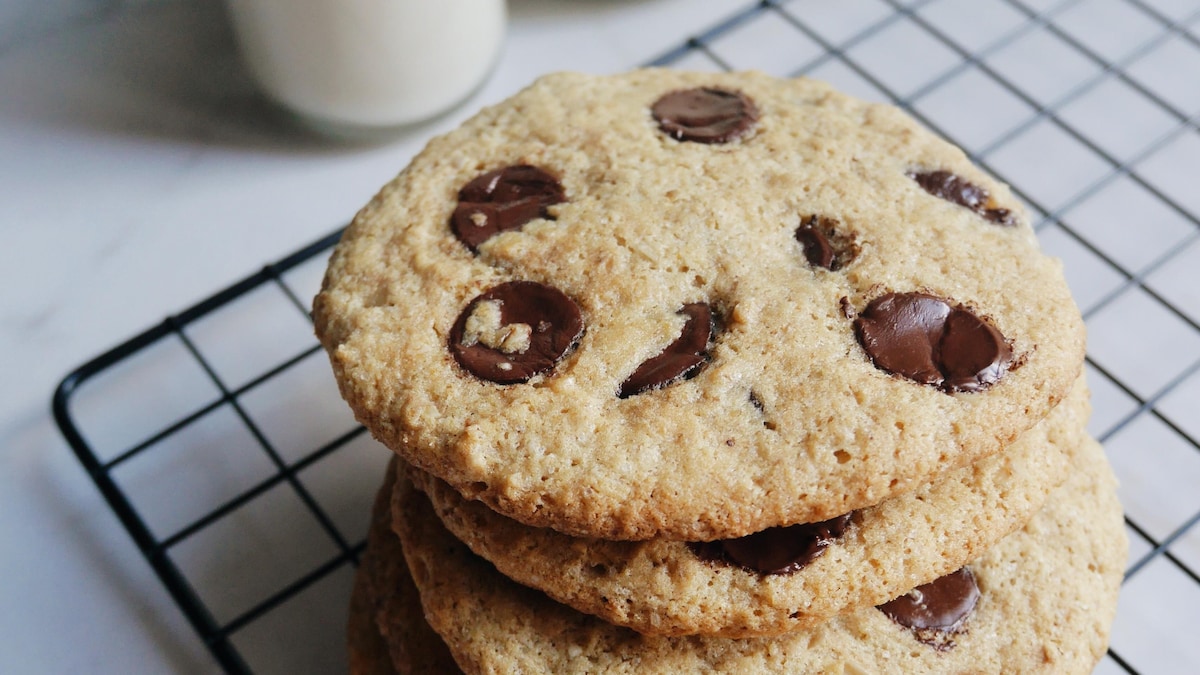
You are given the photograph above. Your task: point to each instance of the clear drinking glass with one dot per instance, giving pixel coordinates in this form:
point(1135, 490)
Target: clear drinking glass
point(368, 65)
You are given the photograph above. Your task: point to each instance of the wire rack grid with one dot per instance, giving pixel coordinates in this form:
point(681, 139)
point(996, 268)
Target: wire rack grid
point(218, 438)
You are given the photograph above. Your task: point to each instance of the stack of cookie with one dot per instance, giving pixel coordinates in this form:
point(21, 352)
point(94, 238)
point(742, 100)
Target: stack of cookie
point(716, 372)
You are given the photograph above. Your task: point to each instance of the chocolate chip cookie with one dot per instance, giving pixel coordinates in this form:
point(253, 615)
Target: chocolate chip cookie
point(782, 578)
point(1041, 601)
point(387, 632)
point(693, 306)
point(368, 652)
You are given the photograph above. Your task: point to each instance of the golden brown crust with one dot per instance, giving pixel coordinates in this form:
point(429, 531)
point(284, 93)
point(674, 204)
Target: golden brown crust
point(661, 587)
point(1049, 593)
point(368, 651)
point(387, 629)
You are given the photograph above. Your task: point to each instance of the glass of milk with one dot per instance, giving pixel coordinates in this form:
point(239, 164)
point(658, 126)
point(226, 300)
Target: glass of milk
point(363, 66)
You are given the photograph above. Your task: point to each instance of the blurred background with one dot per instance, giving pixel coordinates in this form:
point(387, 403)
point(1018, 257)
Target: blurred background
point(143, 171)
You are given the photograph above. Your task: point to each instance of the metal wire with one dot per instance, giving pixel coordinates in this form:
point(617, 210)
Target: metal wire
point(217, 635)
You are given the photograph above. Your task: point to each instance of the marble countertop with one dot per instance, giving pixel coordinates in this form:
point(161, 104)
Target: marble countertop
point(140, 172)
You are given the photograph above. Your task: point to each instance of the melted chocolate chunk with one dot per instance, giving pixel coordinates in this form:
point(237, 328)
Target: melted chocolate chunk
point(681, 359)
point(705, 115)
point(923, 338)
point(514, 331)
point(501, 200)
point(937, 608)
point(952, 188)
point(999, 216)
point(823, 245)
point(776, 550)
point(817, 248)
point(958, 190)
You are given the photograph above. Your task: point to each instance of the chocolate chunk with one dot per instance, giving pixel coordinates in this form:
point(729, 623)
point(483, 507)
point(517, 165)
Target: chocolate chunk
point(999, 216)
point(501, 200)
point(681, 359)
point(514, 331)
point(952, 188)
point(817, 248)
point(824, 246)
point(757, 402)
point(941, 606)
point(846, 306)
point(705, 115)
point(958, 190)
point(777, 550)
point(923, 338)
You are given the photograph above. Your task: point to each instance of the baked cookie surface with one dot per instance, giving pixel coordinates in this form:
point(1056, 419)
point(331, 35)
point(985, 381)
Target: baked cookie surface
point(785, 578)
point(1041, 601)
point(368, 652)
point(693, 306)
point(386, 632)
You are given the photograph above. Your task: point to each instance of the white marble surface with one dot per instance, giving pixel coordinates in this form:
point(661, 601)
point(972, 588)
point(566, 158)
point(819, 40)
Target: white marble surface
point(139, 172)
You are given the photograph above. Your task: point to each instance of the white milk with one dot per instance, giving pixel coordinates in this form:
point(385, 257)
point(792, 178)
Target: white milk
point(369, 63)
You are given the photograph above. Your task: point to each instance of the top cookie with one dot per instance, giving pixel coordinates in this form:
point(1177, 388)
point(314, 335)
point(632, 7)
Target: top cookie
point(693, 306)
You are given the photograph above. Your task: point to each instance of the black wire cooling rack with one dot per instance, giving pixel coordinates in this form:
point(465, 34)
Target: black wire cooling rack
point(249, 499)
